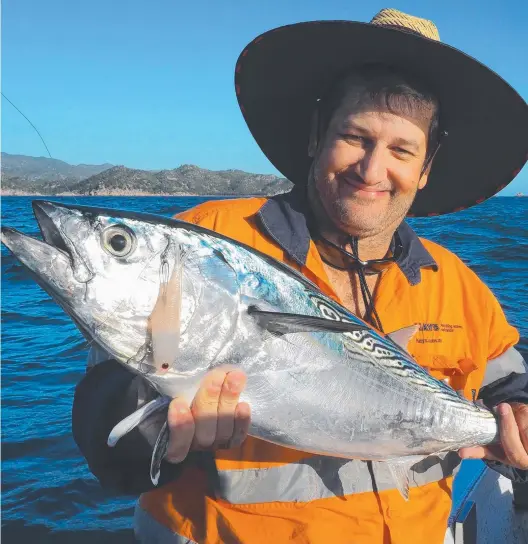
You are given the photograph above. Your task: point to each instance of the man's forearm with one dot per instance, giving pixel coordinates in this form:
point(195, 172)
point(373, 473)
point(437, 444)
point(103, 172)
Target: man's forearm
point(107, 394)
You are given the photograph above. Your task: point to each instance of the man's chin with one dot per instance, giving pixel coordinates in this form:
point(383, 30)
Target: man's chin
point(361, 223)
point(361, 216)
point(363, 210)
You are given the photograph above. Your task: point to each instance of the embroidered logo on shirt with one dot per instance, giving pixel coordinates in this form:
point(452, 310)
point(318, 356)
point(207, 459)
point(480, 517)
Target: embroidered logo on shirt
point(435, 327)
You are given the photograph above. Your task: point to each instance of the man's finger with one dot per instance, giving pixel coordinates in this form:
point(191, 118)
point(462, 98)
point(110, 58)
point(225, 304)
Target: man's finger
point(510, 438)
point(242, 422)
point(234, 384)
point(205, 409)
point(479, 452)
point(520, 411)
point(181, 431)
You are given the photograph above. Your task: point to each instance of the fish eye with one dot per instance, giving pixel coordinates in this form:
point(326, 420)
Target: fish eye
point(119, 241)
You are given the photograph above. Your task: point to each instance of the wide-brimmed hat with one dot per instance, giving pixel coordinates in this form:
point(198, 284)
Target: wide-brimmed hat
point(282, 74)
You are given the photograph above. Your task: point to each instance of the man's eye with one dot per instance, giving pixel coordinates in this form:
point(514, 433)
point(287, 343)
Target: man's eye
point(402, 151)
point(352, 138)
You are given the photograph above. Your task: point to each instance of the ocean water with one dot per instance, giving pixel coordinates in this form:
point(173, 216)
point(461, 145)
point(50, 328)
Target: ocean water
point(48, 494)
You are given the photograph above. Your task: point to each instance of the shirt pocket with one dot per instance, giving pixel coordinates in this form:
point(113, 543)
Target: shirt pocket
point(456, 372)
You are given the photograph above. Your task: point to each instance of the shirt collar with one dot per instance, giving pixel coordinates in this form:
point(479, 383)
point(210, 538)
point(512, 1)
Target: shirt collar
point(283, 218)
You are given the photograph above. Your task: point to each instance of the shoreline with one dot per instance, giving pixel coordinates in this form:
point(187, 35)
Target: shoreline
point(127, 193)
point(9, 192)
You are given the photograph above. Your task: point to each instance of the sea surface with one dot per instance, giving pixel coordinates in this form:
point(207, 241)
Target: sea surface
point(48, 494)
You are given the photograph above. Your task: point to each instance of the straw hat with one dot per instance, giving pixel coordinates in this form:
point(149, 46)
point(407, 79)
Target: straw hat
point(282, 73)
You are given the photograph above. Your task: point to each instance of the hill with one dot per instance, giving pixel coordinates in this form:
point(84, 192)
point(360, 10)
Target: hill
point(41, 176)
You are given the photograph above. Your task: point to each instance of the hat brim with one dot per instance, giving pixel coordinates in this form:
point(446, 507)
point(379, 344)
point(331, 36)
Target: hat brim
point(281, 74)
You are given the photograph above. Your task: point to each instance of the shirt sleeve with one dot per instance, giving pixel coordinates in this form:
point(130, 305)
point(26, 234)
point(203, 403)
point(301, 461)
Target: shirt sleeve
point(204, 215)
point(506, 377)
point(502, 335)
point(106, 395)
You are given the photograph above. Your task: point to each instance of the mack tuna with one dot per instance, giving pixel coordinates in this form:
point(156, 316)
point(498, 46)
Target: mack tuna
point(171, 301)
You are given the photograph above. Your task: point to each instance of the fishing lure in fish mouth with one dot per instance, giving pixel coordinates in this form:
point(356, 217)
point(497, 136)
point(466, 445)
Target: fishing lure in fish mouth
point(171, 301)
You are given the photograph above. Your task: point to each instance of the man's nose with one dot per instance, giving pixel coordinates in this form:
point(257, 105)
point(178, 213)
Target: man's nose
point(372, 167)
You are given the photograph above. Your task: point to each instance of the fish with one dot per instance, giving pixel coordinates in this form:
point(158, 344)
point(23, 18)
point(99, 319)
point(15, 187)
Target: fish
point(171, 301)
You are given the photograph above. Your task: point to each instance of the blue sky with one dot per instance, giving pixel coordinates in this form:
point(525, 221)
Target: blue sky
point(150, 84)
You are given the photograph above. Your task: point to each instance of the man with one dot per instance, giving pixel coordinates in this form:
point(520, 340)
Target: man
point(372, 122)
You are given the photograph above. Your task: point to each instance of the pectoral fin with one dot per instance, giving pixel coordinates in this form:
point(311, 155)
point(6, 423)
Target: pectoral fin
point(282, 323)
point(165, 320)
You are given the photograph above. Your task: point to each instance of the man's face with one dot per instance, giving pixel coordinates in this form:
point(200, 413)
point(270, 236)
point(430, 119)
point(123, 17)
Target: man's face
point(367, 169)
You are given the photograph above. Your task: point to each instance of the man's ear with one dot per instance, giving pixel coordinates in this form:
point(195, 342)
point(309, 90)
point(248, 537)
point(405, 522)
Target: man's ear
point(425, 175)
point(313, 141)
point(424, 179)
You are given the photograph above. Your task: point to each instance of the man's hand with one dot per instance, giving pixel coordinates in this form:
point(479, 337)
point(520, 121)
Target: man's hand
point(215, 420)
point(513, 428)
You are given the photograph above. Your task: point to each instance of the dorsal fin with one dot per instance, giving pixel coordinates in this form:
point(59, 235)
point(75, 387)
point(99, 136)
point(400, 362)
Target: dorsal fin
point(402, 337)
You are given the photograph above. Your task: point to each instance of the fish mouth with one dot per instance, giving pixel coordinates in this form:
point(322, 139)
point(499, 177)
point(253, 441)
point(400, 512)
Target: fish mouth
point(43, 211)
point(49, 262)
point(25, 247)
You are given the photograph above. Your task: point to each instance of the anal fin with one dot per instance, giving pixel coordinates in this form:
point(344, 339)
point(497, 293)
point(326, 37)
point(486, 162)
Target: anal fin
point(400, 470)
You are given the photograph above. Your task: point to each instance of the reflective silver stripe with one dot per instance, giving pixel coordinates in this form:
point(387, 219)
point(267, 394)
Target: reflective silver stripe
point(510, 362)
point(323, 477)
point(149, 531)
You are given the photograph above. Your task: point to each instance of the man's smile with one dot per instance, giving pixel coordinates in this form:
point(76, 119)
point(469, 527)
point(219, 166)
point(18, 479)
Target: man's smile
point(362, 190)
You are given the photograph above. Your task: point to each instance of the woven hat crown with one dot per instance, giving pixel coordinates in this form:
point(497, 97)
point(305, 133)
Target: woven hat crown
point(393, 18)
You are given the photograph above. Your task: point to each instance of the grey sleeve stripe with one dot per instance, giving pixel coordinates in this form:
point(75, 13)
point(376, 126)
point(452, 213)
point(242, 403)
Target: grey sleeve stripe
point(510, 362)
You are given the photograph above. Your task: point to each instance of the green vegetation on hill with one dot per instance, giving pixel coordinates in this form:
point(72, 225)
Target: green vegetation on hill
point(42, 176)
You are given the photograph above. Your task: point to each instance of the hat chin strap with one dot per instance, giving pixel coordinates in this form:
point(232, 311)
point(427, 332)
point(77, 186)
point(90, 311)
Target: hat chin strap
point(430, 158)
point(371, 314)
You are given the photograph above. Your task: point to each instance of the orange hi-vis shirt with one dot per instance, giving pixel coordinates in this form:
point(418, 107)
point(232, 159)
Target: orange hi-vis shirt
point(272, 494)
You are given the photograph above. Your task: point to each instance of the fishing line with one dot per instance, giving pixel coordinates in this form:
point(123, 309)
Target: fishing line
point(34, 127)
point(40, 136)
point(90, 342)
point(120, 304)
